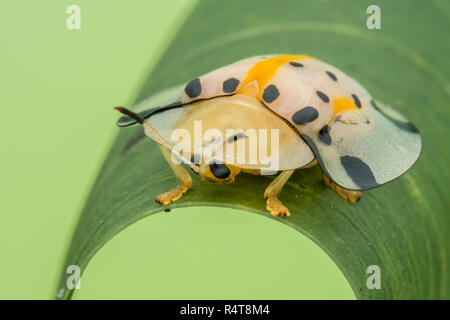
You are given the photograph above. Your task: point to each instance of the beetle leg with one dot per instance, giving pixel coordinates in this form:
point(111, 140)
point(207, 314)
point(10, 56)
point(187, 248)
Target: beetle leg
point(352, 196)
point(274, 205)
point(182, 175)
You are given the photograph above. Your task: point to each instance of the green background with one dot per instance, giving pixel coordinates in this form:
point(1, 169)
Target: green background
point(59, 87)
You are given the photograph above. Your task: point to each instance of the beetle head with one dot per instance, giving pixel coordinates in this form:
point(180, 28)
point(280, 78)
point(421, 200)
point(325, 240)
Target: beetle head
point(217, 171)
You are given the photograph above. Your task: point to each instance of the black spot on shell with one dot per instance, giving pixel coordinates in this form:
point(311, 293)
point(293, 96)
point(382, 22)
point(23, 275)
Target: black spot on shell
point(230, 85)
point(324, 135)
point(219, 170)
point(195, 159)
point(408, 126)
point(357, 101)
point(235, 137)
point(305, 115)
point(323, 96)
point(411, 127)
point(372, 102)
point(270, 94)
point(359, 172)
point(296, 64)
point(331, 75)
point(193, 88)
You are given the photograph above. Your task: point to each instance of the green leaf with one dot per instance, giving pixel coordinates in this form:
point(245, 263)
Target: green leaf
point(403, 227)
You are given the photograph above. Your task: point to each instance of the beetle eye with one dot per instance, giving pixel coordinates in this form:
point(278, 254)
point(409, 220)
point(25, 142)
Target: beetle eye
point(219, 170)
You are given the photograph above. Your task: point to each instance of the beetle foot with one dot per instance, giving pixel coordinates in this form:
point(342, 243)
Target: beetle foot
point(276, 207)
point(352, 196)
point(172, 195)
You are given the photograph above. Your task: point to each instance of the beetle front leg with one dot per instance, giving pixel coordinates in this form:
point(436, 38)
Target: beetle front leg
point(352, 196)
point(274, 205)
point(182, 175)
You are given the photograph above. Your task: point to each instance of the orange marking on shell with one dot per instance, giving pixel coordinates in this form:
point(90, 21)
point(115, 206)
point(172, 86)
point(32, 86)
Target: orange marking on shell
point(266, 69)
point(343, 104)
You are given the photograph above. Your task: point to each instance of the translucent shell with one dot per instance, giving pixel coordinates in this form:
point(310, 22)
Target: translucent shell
point(236, 130)
point(321, 113)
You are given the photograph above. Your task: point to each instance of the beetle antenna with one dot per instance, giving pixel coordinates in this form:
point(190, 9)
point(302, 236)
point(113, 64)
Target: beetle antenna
point(130, 114)
point(147, 126)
